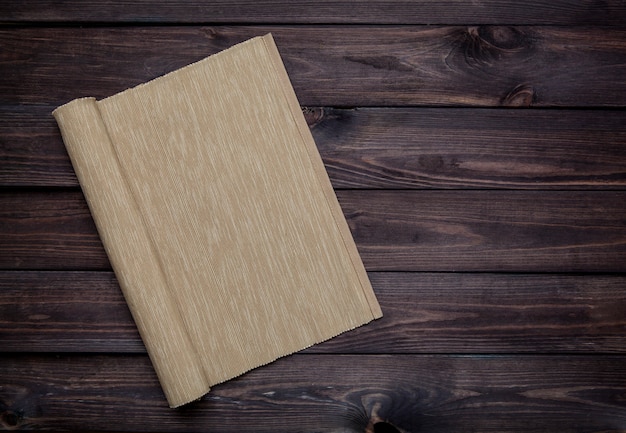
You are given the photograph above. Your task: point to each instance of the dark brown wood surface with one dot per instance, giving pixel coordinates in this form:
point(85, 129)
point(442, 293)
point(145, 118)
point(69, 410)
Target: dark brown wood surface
point(478, 150)
point(336, 65)
point(348, 393)
point(560, 12)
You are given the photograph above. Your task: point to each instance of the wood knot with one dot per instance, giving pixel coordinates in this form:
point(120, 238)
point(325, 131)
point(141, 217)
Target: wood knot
point(385, 427)
point(521, 96)
point(214, 35)
point(313, 115)
point(10, 418)
point(504, 38)
point(486, 44)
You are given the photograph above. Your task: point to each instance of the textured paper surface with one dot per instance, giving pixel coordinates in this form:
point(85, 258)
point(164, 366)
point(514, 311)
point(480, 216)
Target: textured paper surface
point(218, 217)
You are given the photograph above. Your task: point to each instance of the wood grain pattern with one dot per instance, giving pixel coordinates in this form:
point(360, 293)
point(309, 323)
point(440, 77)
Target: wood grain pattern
point(424, 313)
point(472, 148)
point(65, 312)
point(559, 12)
point(381, 148)
point(64, 232)
point(503, 231)
point(512, 231)
point(324, 393)
point(347, 66)
point(31, 149)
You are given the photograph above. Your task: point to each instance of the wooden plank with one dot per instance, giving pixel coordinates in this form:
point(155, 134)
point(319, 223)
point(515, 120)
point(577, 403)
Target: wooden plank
point(424, 313)
point(503, 231)
point(558, 12)
point(48, 230)
point(395, 148)
point(472, 148)
point(32, 149)
point(324, 393)
point(347, 66)
point(65, 312)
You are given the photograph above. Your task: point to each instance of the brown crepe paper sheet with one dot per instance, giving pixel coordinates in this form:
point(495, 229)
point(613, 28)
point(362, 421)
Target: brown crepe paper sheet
point(218, 217)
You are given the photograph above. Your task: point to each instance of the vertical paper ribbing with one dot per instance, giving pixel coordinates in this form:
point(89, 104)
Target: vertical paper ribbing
point(130, 252)
point(218, 217)
point(317, 166)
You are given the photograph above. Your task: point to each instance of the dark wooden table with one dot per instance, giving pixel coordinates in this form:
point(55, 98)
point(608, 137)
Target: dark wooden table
point(478, 150)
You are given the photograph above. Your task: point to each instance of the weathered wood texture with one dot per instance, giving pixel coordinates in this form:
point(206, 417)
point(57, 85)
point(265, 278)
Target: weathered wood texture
point(561, 12)
point(424, 313)
point(347, 66)
point(514, 231)
point(495, 238)
point(306, 393)
point(385, 148)
point(48, 230)
point(489, 231)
